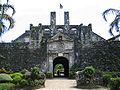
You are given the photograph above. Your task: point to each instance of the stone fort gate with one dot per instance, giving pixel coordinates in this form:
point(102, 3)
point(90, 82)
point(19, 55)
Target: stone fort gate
point(60, 50)
point(63, 42)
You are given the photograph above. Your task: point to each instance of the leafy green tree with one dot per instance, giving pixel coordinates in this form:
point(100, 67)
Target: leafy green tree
point(59, 68)
point(6, 17)
point(115, 23)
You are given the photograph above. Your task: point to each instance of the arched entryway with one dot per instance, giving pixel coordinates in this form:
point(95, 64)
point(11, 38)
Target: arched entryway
point(64, 64)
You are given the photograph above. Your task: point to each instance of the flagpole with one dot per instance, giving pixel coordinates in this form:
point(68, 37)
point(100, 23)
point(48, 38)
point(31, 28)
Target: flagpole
point(60, 13)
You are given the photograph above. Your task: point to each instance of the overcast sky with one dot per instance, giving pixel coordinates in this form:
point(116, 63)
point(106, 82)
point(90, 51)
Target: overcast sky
point(80, 11)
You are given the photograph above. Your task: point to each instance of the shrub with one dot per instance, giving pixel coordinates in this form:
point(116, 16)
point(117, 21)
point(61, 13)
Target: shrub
point(36, 83)
point(114, 84)
point(17, 77)
point(73, 70)
point(118, 74)
point(41, 76)
point(106, 79)
point(107, 76)
point(35, 78)
point(98, 78)
point(85, 77)
point(89, 72)
point(24, 71)
point(5, 78)
point(16, 74)
point(27, 75)
point(36, 73)
point(113, 74)
point(71, 75)
point(2, 70)
point(7, 86)
point(24, 82)
point(33, 83)
point(49, 74)
point(42, 82)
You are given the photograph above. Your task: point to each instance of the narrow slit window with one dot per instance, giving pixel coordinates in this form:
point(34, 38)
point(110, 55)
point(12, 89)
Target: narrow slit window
point(60, 37)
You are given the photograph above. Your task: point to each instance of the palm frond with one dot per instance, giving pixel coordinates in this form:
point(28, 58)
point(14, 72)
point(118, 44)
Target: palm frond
point(111, 28)
point(117, 19)
point(10, 19)
point(110, 31)
point(113, 11)
point(0, 31)
point(6, 17)
point(9, 6)
point(3, 28)
point(114, 24)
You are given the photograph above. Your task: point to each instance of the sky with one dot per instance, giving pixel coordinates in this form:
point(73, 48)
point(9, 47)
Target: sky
point(80, 11)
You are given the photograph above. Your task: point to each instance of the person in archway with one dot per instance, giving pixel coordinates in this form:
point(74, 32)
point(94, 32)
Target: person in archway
point(58, 73)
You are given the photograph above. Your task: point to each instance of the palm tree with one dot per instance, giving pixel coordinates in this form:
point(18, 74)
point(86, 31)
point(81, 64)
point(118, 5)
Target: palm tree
point(115, 23)
point(6, 17)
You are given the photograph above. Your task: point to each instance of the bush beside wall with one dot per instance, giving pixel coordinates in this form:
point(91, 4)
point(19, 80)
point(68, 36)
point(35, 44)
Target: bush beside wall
point(49, 75)
point(114, 84)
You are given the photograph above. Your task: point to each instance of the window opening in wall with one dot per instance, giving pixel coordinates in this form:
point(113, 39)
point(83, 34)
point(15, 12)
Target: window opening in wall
point(60, 37)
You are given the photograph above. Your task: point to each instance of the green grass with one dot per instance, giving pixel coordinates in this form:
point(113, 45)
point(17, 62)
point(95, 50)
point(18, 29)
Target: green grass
point(6, 86)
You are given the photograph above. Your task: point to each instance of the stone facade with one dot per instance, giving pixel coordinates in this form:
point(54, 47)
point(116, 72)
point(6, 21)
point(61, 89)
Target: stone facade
point(60, 46)
point(61, 40)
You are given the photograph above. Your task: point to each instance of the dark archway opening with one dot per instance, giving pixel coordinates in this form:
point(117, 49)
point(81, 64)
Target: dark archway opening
point(64, 63)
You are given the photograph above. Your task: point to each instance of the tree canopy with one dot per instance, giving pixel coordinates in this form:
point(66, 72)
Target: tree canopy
point(6, 17)
point(115, 23)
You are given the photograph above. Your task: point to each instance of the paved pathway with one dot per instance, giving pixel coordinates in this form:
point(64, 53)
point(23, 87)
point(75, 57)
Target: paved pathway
point(62, 84)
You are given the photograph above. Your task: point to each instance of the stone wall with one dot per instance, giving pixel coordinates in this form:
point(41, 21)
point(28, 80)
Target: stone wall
point(17, 56)
point(102, 55)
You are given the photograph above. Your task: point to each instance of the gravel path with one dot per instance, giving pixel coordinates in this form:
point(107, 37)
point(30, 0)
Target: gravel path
point(62, 84)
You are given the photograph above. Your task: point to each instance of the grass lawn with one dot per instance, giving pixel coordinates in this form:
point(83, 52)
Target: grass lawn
point(6, 86)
